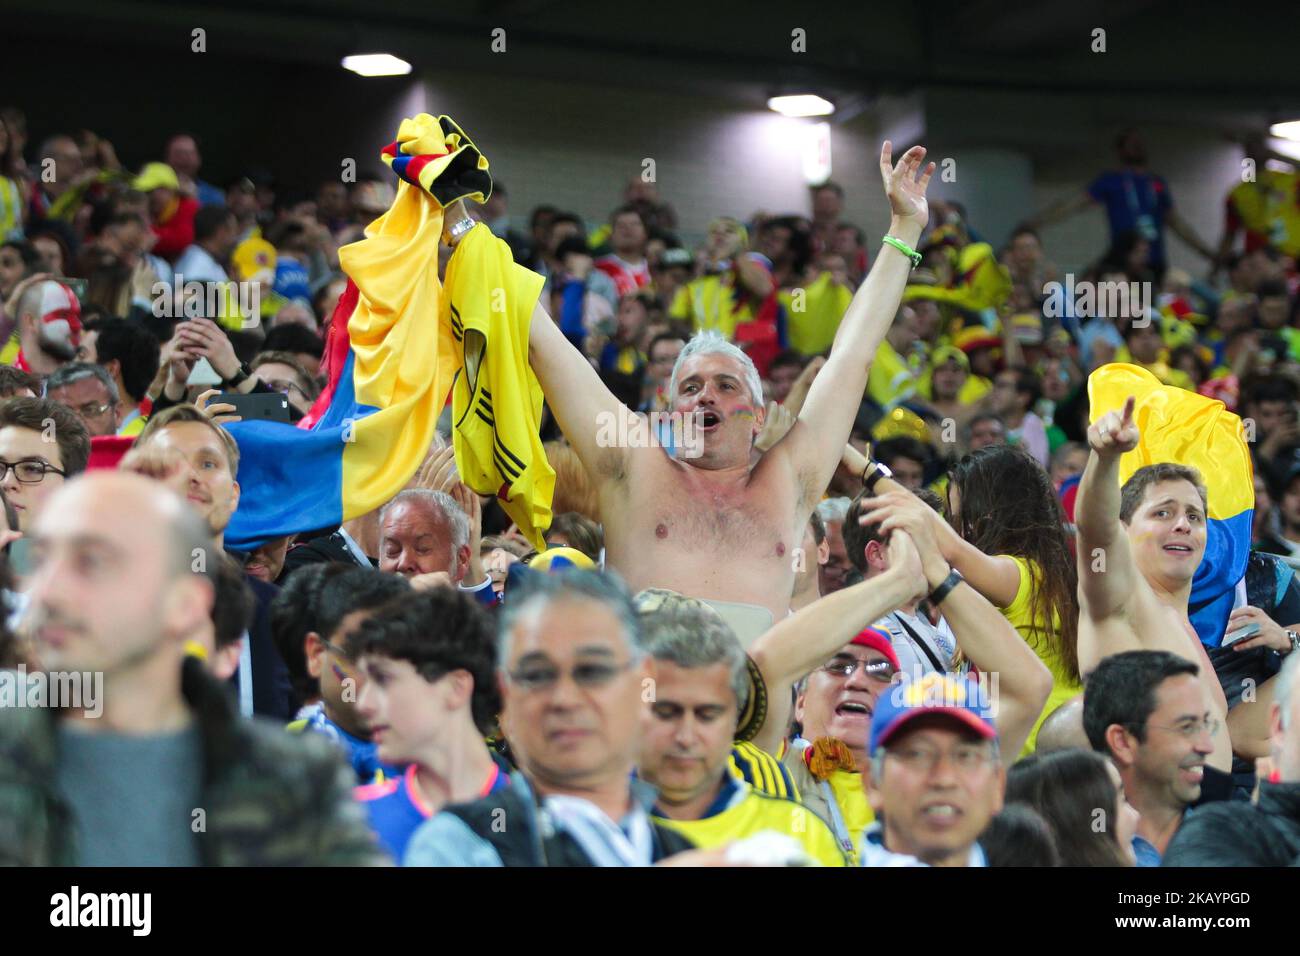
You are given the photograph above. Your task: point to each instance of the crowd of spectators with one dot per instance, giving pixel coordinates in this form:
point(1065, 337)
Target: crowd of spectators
point(783, 653)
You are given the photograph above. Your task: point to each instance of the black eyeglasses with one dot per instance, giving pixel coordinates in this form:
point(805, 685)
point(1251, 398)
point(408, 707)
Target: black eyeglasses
point(29, 471)
point(882, 671)
point(283, 387)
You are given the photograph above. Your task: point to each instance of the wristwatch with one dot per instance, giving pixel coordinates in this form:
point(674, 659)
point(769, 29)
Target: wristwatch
point(451, 235)
point(1294, 638)
point(239, 377)
point(872, 474)
point(945, 587)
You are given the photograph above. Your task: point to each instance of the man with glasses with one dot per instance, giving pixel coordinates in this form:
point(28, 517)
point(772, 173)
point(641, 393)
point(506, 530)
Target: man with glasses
point(575, 681)
point(1147, 711)
point(42, 444)
point(90, 392)
point(282, 372)
point(661, 356)
point(936, 774)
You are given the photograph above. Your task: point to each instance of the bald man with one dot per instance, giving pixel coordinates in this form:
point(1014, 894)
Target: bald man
point(167, 774)
point(1063, 728)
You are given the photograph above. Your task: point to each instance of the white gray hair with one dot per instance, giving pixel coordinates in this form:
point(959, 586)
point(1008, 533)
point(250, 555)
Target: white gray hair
point(833, 509)
point(712, 343)
point(438, 502)
point(691, 635)
point(539, 590)
point(74, 372)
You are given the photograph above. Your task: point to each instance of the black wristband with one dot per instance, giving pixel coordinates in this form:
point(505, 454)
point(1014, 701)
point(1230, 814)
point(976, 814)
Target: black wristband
point(877, 471)
point(953, 579)
point(239, 378)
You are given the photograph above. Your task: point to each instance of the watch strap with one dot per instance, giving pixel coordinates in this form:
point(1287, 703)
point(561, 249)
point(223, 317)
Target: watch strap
point(945, 587)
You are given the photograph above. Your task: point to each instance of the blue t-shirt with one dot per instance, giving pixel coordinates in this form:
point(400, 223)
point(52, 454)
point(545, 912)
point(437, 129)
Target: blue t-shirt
point(1137, 201)
point(363, 755)
point(395, 810)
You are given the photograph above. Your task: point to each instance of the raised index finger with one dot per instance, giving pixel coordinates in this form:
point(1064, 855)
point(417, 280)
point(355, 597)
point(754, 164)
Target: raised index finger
point(1127, 418)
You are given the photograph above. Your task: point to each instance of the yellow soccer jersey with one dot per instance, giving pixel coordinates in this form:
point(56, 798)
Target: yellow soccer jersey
point(748, 812)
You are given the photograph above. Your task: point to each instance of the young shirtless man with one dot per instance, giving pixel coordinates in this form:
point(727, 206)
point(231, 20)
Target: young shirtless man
point(719, 526)
point(1151, 535)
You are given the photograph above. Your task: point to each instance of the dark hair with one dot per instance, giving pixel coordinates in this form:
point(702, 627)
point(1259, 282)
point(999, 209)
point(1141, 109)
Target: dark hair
point(294, 611)
point(904, 446)
point(800, 239)
point(1270, 288)
point(14, 380)
point(69, 432)
point(133, 347)
point(1019, 836)
point(62, 235)
point(1023, 230)
point(583, 533)
point(356, 589)
point(27, 252)
point(629, 209)
point(540, 211)
point(1068, 787)
point(108, 285)
point(232, 608)
point(1122, 690)
point(573, 245)
point(818, 528)
point(788, 357)
point(310, 388)
point(209, 220)
point(1008, 506)
point(1027, 383)
point(1131, 494)
point(1271, 388)
point(858, 536)
point(293, 337)
point(830, 184)
point(437, 631)
point(662, 337)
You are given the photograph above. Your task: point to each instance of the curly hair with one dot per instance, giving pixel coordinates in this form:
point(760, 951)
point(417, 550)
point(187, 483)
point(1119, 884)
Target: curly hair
point(437, 631)
point(1008, 507)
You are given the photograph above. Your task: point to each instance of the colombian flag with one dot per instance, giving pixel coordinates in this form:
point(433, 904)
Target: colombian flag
point(389, 360)
point(1183, 427)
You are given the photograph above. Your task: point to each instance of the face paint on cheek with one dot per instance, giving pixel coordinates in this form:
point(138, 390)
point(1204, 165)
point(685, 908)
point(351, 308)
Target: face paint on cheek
point(339, 673)
point(745, 412)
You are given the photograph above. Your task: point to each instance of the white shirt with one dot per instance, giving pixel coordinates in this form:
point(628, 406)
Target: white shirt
point(197, 265)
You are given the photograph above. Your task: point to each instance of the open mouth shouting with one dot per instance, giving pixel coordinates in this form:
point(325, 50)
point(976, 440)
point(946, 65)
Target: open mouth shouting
point(708, 419)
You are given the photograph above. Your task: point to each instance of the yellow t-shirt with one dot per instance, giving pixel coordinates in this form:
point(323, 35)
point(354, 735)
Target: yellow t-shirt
point(756, 812)
point(761, 770)
point(1018, 612)
point(891, 379)
point(812, 326)
point(851, 798)
point(709, 304)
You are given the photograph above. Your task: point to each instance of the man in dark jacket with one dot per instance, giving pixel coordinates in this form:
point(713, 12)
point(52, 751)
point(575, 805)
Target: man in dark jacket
point(140, 759)
point(1266, 833)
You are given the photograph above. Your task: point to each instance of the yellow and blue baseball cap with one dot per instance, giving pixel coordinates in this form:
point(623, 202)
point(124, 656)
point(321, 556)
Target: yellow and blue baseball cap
point(957, 697)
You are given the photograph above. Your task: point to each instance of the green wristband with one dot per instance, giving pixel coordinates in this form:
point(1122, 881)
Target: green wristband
point(905, 249)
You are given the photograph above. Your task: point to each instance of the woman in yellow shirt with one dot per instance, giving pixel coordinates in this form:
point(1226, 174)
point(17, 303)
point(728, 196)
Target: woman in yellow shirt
point(1006, 535)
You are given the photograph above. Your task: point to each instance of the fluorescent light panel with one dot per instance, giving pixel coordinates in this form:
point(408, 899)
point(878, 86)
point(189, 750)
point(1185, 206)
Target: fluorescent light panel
point(376, 64)
point(801, 104)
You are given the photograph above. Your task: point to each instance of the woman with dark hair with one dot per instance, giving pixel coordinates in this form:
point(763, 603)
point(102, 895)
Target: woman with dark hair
point(1006, 535)
point(1019, 836)
point(1080, 795)
point(11, 192)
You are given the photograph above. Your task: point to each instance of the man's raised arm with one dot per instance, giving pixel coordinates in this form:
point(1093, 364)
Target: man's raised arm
point(808, 639)
point(1106, 569)
point(827, 416)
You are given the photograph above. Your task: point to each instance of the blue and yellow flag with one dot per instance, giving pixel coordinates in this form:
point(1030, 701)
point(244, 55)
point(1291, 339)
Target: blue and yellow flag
point(389, 360)
point(1187, 428)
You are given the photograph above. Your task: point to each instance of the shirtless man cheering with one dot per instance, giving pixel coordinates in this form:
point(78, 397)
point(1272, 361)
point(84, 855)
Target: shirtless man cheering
point(720, 526)
point(1151, 534)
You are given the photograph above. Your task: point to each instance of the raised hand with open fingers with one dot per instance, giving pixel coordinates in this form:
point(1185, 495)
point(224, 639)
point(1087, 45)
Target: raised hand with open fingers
point(906, 183)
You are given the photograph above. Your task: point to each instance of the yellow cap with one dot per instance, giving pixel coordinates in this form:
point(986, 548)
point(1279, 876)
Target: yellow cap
point(252, 258)
point(155, 176)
